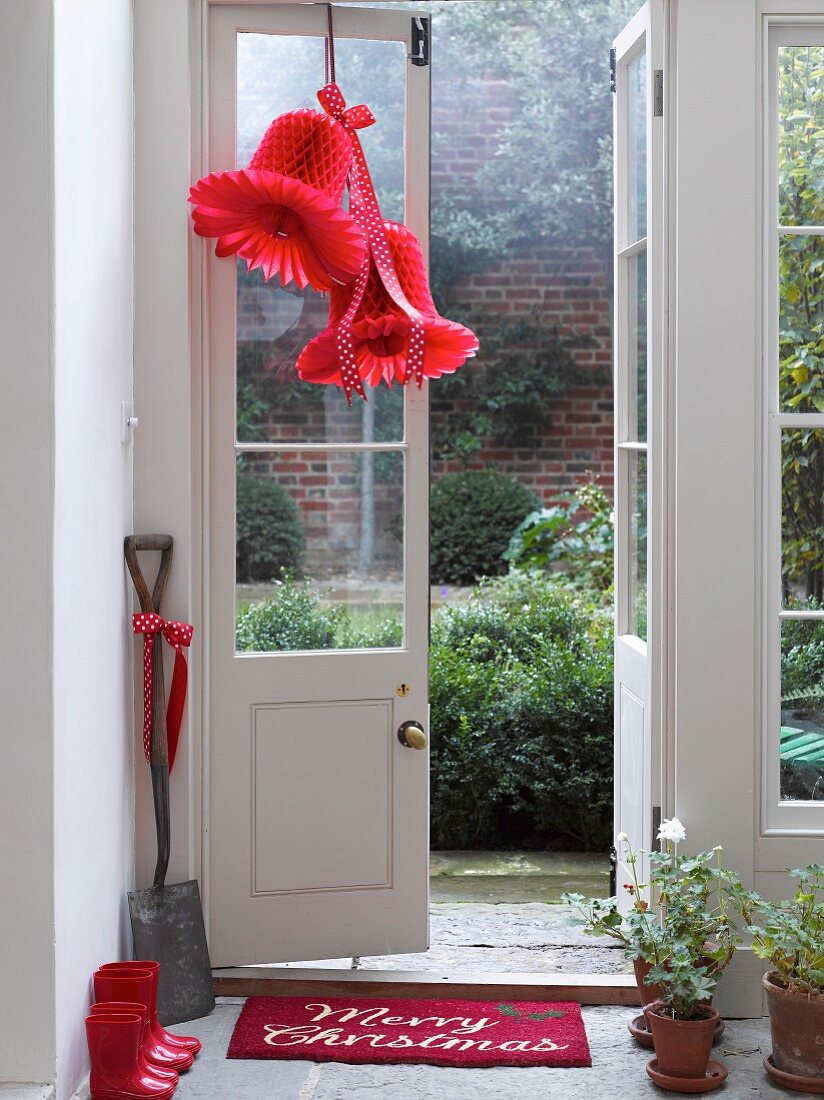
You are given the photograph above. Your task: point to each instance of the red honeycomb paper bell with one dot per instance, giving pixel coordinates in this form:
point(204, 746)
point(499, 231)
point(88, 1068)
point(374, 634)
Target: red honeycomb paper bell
point(282, 213)
point(380, 329)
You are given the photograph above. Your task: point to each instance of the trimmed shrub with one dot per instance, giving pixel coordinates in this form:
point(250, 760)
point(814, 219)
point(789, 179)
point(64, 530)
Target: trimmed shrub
point(292, 620)
point(295, 619)
point(522, 726)
point(269, 534)
point(473, 515)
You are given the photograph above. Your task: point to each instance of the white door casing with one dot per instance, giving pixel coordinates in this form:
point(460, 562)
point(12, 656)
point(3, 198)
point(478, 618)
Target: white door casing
point(640, 395)
point(317, 827)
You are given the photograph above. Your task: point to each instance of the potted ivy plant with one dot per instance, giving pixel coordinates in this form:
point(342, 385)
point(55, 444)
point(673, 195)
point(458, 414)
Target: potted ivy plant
point(789, 935)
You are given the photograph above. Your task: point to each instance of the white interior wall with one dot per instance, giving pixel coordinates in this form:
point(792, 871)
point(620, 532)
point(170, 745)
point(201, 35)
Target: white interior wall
point(93, 727)
point(27, 1047)
point(66, 792)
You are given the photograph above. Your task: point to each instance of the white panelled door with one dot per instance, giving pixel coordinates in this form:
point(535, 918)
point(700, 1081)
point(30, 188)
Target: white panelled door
point(316, 835)
point(640, 580)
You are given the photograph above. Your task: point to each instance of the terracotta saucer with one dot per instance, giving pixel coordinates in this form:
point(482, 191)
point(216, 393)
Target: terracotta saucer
point(792, 1080)
point(715, 1076)
point(639, 1030)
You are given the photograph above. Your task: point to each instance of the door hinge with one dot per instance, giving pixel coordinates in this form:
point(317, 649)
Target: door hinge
point(613, 871)
point(612, 64)
point(656, 825)
point(658, 94)
point(420, 41)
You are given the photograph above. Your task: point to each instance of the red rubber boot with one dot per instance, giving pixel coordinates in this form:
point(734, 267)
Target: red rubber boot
point(136, 986)
point(167, 1076)
point(114, 1045)
point(187, 1042)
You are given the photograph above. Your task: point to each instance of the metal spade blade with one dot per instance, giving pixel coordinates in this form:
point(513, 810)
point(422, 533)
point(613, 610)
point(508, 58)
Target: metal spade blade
point(167, 925)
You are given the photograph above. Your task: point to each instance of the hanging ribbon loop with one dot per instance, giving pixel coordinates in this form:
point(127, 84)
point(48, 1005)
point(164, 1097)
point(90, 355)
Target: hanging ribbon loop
point(179, 636)
point(365, 209)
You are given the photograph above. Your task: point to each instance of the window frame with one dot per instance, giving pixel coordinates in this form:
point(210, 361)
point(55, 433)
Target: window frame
point(779, 817)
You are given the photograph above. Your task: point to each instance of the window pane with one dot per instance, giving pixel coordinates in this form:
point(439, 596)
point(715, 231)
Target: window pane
point(637, 148)
point(802, 710)
point(638, 544)
point(801, 323)
point(278, 73)
point(637, 357)
point(802, 515)
point(801, 135)
point(319, 550)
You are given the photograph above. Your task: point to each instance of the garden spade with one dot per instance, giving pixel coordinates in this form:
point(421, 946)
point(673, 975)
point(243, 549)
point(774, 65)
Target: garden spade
point(167, 921)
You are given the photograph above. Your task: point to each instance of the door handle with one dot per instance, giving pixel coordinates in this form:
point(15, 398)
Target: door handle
point(412, 735)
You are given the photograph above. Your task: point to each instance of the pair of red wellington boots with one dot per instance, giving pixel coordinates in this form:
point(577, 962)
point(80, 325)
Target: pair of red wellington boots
point(132, 1056)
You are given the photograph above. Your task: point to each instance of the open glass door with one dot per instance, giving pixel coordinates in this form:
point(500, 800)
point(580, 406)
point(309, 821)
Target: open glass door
point(316, 831)
point(639, 526)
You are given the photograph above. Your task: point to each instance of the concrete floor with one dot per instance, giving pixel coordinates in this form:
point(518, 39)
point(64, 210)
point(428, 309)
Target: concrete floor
point(617, 1070)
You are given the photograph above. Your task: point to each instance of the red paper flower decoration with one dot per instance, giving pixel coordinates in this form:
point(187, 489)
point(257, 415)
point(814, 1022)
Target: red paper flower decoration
point(282, 213)
point(380, 330)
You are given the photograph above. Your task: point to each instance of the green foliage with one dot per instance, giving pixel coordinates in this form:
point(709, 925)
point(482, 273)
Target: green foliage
point(292, 620)
point(575, 536)
point(551, 175)
point(295, 618)
point(269, 534)
point(683, 922)
point(790, 935)
point(506, 392)
point(472, 516)
point(521, 693)
point(802, 697)
point(801, 322)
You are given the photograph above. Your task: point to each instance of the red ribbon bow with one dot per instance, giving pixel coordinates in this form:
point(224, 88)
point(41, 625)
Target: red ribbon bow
point(364, 208)
point(177, 635)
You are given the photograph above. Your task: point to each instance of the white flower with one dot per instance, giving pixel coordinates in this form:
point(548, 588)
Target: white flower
point(718, 848)
point(672, 829)
point(622, 838)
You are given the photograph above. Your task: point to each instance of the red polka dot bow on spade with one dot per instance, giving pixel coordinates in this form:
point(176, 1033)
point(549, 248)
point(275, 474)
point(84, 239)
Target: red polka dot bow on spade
point(177, 635)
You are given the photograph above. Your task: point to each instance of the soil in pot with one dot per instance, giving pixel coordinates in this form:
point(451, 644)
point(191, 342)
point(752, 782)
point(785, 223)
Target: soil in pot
point(797, 1026)
point(682, 1047)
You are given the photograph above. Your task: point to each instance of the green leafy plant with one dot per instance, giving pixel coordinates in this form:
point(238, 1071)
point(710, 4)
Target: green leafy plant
point(269, 533)
point(789, 935)
point(521, 690)
point(682, 922)
point(472, 516)
point(292, 619)
point(575, 536)
point(296, 618)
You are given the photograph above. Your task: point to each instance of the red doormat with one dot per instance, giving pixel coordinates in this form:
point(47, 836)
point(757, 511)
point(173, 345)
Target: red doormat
point(363, 1030)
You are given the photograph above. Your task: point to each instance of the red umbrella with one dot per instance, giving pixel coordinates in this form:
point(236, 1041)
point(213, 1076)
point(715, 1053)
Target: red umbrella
point(282, 213)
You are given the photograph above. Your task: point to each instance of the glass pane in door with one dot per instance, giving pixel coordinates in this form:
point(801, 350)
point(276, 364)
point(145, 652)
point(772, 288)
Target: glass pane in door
point(637, 148)
point(275, 74)
point(319, 550)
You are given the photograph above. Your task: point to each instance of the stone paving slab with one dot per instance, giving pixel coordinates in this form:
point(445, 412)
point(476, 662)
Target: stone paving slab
point(515, 939)
point(617, 1070)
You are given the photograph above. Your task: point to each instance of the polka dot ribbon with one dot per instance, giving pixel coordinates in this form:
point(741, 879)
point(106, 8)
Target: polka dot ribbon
point(177, 635)
point(364, 208)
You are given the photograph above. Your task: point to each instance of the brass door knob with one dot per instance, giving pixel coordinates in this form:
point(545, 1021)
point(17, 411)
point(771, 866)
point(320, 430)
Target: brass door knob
point(412, 735)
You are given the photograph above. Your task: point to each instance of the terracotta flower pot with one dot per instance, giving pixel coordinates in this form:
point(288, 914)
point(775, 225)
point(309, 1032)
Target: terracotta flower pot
point(797, 1026)
point(648, 993)
point(682, 1047)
